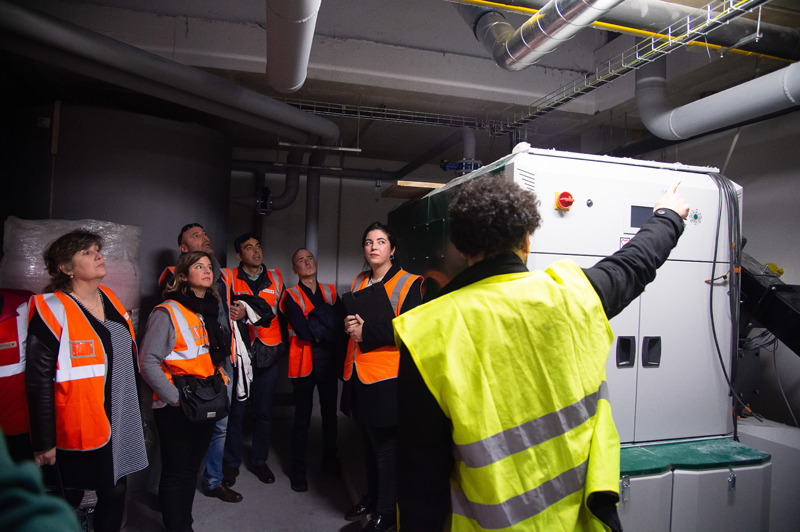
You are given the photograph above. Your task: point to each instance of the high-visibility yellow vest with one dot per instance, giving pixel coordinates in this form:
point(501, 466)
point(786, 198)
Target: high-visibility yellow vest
point(517, 362)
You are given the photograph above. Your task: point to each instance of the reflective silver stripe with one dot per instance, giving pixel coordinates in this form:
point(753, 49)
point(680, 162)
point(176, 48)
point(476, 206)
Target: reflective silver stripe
point(398, 287)
point(192, 350)
point(520, 507)
point(511, 441)
point(277, 281)
point(21, 341)
point(298, 298)
point(82, 372)
point(327, 292)
point(12, 369)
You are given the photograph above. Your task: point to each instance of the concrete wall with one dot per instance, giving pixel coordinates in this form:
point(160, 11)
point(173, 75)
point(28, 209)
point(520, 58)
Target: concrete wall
point(130, 169)
point(766, 162)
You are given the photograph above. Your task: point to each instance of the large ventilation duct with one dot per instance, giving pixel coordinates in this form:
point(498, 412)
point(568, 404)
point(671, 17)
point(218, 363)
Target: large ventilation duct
point(768, 94)
point(55, 40)
point(556, 22)
point(655, 15)
point(290, 31)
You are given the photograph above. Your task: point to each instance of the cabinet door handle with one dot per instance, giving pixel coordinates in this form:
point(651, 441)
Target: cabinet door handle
point(626, 351)
point(651, 351)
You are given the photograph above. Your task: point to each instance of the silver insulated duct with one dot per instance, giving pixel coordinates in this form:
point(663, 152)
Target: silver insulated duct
point(771, 93)
point(555, 23)
point(290, 32)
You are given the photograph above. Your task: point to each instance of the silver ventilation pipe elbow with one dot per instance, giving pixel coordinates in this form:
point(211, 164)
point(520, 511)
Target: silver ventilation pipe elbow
point(292, 186)
point(290, 32)
point(773, 92)
point(556, 22)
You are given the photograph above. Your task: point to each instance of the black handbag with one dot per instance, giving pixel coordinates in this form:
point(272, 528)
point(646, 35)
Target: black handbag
point(203, 400)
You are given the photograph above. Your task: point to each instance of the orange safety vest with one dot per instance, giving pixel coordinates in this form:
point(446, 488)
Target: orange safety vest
point(268, 335)
point(13, 333)
point(379, 364)
point(300, 359)
point(226, 276)
point(81, 422)
point(190, 355)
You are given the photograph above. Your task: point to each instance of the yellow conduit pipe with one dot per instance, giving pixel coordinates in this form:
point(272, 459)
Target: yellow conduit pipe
point(617, 28)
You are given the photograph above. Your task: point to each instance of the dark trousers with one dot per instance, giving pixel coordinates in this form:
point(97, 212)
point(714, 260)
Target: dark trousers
point(232, 456)
point(380, 445)
point(183, 445)
point(110, 507)
point(19, 446)
point(261, 396)
point(303, 388)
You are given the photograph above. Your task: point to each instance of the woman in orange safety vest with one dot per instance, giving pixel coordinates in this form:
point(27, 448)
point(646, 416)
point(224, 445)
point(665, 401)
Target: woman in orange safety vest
point(80, 378)
point(370, 374)
point(183, 337)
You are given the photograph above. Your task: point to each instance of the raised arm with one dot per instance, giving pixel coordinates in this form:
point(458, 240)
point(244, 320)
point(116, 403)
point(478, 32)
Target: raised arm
point(622, 277)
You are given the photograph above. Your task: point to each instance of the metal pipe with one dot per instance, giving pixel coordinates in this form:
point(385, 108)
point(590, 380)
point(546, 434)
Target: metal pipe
point(292, 186)
point(655, 15)
point(556, 22)
point(45, 54)
point(316, 159)
point(290, 31)
point(768, 94)
point(464, 134)
point(62, 35)
point(343, 173)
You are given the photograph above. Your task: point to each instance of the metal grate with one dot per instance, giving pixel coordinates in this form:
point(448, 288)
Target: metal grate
point(528, 180)
point(667, 40)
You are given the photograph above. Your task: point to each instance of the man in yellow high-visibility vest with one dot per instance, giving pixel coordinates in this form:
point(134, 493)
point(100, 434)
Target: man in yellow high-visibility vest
point(505, 422)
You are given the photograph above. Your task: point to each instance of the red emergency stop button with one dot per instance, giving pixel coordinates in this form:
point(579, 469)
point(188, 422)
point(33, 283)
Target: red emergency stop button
point(564, 201)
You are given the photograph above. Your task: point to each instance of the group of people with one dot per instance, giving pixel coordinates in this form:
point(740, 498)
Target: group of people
point(485, 408)
point(72, 399)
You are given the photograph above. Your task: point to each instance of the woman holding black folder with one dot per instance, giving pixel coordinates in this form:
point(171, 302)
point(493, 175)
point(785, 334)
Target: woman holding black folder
point(370, 372)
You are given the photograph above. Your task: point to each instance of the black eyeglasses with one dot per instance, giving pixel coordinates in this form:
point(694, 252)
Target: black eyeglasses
point(186, 228)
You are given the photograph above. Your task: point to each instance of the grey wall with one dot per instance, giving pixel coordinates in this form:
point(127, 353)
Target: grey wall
point(766, 162)
point(135, 170)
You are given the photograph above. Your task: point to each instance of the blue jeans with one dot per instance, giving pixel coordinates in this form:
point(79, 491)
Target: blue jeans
point(212, 476)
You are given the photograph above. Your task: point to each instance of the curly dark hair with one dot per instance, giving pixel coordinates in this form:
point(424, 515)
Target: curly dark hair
point(62, 251)
point(492, 214)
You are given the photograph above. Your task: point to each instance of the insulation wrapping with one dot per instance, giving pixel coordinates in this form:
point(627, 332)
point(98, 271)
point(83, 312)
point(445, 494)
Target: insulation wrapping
point(24, 242)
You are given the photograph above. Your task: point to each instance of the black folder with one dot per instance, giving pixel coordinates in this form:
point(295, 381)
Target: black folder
point(371, 304)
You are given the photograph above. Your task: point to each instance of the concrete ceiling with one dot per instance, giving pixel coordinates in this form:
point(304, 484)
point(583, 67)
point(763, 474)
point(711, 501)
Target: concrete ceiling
point(415, 55)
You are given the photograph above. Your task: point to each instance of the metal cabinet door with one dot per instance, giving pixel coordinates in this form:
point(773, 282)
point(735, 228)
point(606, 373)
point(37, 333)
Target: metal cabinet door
point(685, 395)
point(646, 503)
point(703, 502)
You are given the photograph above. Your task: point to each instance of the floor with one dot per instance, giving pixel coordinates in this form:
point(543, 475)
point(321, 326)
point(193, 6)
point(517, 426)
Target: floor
point(267, 507)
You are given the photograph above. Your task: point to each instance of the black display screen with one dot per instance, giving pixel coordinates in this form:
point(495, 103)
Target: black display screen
point(639, 215)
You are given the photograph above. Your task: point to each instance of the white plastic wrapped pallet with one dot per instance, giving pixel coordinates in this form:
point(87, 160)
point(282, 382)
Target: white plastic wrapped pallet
point(24, 242)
